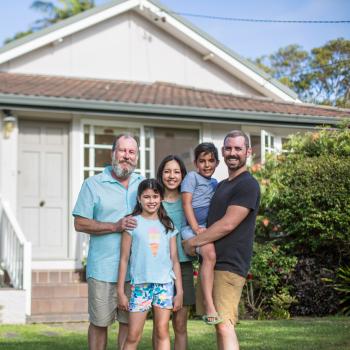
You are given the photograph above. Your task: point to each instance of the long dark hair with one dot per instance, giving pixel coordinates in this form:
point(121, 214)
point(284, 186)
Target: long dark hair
point(154, 185)
point(162, 164)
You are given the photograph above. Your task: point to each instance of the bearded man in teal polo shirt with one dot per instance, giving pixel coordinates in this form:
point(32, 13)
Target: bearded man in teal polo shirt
point(100, 211)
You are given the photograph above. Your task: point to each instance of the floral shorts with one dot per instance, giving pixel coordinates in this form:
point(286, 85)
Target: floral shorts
point(145, 295)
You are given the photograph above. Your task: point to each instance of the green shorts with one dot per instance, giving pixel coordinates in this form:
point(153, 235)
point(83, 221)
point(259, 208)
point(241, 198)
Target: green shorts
point(103, 302)
point(187, 283)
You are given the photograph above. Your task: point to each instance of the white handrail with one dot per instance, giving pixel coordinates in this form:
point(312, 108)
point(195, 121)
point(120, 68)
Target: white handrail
point(15, 252)
point(14, 223)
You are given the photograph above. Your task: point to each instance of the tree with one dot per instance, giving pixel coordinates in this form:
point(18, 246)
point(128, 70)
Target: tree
point(331, 73)
point(286, 65)
point(54, 14)
point(321, 76)
point(18, 35)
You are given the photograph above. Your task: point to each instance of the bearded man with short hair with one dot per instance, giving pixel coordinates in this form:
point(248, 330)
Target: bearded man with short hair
point(100, 211)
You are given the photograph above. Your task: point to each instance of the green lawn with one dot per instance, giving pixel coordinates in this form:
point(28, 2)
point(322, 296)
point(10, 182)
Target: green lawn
point(300, 334)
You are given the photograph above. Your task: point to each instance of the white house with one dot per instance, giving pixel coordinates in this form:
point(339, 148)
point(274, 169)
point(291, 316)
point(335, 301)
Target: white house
point(67, 90)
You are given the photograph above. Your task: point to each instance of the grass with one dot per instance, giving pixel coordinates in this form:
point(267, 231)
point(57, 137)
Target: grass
point(298, 334)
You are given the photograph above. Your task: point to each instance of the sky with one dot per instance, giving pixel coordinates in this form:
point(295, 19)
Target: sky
point(250, 40)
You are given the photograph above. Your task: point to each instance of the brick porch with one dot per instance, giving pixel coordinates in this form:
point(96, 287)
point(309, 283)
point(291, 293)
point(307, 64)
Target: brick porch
point(58, 296)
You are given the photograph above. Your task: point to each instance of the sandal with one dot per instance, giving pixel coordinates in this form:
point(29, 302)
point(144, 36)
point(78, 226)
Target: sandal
point(212, 319)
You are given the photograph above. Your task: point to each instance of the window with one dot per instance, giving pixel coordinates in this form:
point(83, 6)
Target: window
point(270, 144)
point(255, 142)
point(98, 141)
point(155, 144)
point(180, 142)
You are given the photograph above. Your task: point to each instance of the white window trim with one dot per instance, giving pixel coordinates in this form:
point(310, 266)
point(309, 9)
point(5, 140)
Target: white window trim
point(268, 148)
point(92, 123)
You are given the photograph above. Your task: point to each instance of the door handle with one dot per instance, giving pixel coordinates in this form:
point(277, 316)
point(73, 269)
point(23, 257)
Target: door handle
point(42, 203)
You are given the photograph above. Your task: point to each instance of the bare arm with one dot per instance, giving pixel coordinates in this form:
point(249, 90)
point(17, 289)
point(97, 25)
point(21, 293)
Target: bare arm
point(123, 266)
point(178, 299)
point(233, 217)
point(94, 227)
point(189, 213)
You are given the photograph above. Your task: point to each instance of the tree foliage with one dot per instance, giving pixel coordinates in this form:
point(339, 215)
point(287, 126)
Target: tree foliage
point(305, 212)
point(306, 196)
point(54, 14)
point(320, 76)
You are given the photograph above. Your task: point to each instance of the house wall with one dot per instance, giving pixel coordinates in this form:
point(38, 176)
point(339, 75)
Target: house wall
point(128, 47)
point(208, 131)
point(9, 179)
point(8, 165)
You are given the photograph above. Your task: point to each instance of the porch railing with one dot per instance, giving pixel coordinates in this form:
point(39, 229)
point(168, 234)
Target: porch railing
point(15, 252)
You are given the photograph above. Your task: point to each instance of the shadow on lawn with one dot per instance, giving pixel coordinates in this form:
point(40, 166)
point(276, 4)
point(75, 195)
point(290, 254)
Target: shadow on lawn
point(42, 342)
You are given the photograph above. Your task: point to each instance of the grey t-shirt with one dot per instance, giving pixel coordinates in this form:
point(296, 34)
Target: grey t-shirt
point(202, 189)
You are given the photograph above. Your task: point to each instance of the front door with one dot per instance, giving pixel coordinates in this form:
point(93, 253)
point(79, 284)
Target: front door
point(43, 187)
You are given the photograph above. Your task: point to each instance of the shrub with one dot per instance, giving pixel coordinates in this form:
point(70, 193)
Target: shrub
point(314, 295)
point(312, 209)
point(305, 211)
point(343, 287)
point(341, 283)
point(281, 303)
point(334, 142)
point(270, 272)
point(306, 194)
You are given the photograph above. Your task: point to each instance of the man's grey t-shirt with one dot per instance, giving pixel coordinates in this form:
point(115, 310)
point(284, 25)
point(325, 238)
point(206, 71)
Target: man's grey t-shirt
point(234, 251)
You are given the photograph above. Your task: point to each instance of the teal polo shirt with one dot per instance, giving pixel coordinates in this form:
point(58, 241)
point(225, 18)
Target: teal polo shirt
point(176, 214)
point(103, 198)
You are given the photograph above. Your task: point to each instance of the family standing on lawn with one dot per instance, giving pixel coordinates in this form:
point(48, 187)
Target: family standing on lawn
point(143, 233)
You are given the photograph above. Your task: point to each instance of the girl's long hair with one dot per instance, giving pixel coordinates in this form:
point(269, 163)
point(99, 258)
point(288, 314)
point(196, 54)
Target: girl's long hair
point(154, 185)
point(163, 163)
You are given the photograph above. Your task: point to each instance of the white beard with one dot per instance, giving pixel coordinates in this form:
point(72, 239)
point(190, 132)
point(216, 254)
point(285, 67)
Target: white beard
point(120, 172)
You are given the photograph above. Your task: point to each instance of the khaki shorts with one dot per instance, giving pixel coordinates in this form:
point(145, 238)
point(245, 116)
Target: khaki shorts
point(103, 302)
point(227, 293)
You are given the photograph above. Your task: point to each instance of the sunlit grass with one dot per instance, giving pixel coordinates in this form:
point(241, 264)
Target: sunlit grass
point(298, 334)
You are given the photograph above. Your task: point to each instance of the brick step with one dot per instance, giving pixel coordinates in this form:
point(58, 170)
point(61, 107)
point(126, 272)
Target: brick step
point(57, 318)
point(50, 291)
point(60, 306)
point(57, 276)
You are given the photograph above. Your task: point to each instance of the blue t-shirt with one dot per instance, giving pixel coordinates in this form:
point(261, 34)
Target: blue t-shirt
point(103, 198)
point(150, 260)
point(202, 189)
point(176, 214)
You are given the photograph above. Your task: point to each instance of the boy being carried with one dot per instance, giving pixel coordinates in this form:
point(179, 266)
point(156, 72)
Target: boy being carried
point(197, 190)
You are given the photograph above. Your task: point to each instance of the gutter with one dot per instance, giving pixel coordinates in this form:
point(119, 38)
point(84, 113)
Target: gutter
point(8, 101)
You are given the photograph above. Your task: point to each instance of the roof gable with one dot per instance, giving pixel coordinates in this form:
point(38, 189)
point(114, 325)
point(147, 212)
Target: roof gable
point(206, 46)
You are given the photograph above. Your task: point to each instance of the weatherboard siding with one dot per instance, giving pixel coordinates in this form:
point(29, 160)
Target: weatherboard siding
point(128, 47)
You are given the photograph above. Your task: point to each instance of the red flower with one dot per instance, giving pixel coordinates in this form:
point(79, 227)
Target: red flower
point(250, 276)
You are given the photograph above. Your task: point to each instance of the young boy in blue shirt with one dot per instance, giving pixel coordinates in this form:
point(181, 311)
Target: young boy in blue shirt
point(197, 190)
